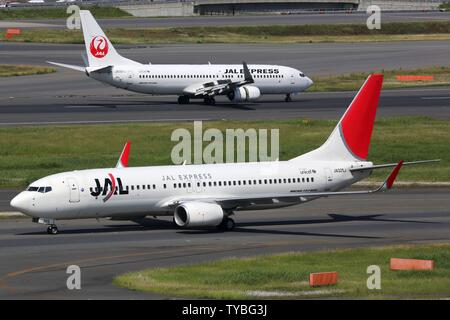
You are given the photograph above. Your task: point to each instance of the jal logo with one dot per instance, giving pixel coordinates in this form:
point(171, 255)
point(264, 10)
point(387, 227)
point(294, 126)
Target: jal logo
point(111, 186)
point(99, 47)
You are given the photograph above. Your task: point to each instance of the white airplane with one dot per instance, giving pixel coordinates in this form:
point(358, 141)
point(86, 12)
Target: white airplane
point(240, 83)
point(207, 195)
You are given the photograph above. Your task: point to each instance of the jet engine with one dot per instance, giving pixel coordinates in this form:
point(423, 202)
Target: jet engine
point(244, 94)
point(198, 214)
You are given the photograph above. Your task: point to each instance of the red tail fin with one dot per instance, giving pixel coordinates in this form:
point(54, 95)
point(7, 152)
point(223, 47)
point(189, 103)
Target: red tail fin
point(357, 122)
point(123, 160)
point(350, 139)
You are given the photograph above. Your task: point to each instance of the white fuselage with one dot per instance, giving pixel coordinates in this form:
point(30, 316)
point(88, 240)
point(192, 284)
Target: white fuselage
point(141, 191)
point(174, 79)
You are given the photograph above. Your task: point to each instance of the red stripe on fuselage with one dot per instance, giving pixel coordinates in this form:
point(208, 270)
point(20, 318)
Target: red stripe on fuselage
point(113, 187)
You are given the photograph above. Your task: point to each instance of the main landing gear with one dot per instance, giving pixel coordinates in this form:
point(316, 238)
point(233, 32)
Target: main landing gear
point(227, 224)
point(183, 100)
point(52, 228)
point(210, 101)
point(288, 98)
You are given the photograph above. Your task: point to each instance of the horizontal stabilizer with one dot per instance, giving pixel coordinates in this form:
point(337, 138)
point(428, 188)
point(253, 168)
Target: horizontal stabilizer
point(98, 69)
point(389, 165)
point(69, 66)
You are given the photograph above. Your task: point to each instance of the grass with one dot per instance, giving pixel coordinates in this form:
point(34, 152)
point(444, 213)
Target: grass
point(437, 30)
point(31, 152)
point(288, 273)
point(445, 6)
point(23, 70)
point(352, 81)
point(59, 13)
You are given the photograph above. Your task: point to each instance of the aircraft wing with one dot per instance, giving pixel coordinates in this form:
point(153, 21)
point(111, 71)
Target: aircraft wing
point(233, 202)
point(219, 87)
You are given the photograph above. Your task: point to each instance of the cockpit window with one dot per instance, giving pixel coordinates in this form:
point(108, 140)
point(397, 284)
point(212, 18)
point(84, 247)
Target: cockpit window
point(40, 189)
point(302, 74)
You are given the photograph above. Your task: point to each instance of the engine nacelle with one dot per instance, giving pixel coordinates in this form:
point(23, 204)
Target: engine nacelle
point(198, 214)
point(244, 94)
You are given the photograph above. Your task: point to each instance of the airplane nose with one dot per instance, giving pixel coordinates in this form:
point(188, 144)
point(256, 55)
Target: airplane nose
point(20, 202)
point(309, 82)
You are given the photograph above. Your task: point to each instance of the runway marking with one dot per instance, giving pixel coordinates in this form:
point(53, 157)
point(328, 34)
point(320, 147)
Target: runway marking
point(435, 98)
point(73, 107)
point(5, 124)
point(140, 254)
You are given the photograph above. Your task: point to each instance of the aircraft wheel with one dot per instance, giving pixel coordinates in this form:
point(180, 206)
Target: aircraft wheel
point(288, 98)
point(53, 229)
point(210, 101)
point(183, 99)
point(227, 224)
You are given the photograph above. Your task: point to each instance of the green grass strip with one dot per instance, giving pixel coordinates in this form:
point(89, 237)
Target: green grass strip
point(286, 276)
point(31, 152)
point(23, 70)
point(436, 30)
point(59, 13)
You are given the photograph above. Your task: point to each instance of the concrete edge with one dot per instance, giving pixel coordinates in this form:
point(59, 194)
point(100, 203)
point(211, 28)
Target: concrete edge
point(12, 214)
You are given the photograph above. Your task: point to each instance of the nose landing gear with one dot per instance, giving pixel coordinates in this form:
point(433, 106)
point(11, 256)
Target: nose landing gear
point(52, 228)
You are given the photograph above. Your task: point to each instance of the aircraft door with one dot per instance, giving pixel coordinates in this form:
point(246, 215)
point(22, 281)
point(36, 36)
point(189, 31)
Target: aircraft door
point(292, 78)
point(328, 176)
point(74, 191)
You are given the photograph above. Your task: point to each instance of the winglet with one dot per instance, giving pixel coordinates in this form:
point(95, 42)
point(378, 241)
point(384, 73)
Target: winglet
point(390, 180)
point(123, 160)
point(247, 75)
